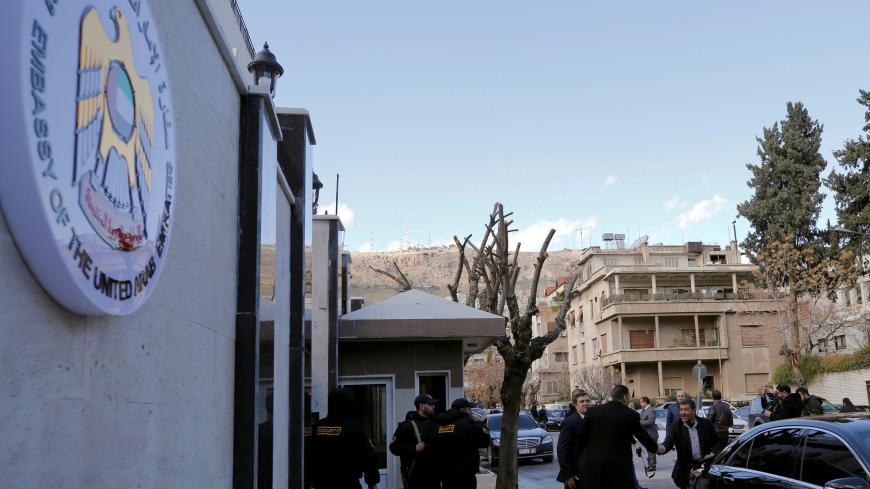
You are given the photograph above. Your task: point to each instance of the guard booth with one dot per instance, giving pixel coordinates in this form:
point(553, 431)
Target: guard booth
point(412, 343)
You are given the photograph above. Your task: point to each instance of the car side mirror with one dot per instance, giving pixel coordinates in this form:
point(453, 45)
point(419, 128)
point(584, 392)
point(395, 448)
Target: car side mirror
point(847, 483)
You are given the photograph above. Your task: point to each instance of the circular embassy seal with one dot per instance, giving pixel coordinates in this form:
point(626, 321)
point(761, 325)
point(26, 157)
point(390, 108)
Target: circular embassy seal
point(89, 178)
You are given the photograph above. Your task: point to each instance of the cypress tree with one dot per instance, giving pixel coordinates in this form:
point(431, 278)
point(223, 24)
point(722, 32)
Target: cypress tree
point(852, 187)
point(783, 210)
point(786, 183)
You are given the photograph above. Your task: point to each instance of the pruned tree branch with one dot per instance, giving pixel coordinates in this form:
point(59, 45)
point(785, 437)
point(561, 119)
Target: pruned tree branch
point(399, 277)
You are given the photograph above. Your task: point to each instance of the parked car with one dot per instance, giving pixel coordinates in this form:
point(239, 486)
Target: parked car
point(831, 451)
point(743, 413)
point(861, 408)
point(738, 427)
point(554, 420)
point(532, 440)
point(756, 412)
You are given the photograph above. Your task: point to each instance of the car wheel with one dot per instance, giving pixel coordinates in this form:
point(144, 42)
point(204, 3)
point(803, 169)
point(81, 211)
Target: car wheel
point(493, 461)
point(548, 459)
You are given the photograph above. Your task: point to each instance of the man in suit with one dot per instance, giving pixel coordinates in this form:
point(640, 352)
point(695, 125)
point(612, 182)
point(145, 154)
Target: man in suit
point(648, 423)
point(674, 409)
point(695, 440)
point(606, 437)
point(567, 451)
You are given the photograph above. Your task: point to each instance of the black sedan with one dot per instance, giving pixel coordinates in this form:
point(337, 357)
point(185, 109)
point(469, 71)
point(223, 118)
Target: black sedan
point(831, 451)
point(532, 440)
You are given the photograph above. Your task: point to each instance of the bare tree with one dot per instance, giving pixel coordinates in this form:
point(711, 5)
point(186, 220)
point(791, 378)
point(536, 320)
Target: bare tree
point(797, 275)
point(483, 382)
point(398, 277)
point(596, 380)
point(495, 265)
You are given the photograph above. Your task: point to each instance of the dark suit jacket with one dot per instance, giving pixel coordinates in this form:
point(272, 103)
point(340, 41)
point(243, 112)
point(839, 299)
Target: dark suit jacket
point(605, 437)
point(791, 406)
point(567, 451)
point(678, 436)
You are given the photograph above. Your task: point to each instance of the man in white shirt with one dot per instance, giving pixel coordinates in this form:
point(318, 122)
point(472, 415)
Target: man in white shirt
point(695, 440)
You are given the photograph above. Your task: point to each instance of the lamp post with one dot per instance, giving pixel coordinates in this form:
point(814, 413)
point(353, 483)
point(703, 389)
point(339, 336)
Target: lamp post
point(266, 69)
point(841, 229)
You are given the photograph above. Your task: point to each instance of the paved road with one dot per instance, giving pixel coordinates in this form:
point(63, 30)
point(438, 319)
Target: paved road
point(534, 474)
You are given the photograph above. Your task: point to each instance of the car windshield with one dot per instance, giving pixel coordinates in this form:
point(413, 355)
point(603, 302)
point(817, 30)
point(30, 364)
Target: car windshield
point(554, 413)
point(493, 422)
point(827, 407)
point(742, 412)
point(661, 413)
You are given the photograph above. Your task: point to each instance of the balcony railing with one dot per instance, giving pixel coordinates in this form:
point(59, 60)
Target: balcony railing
point(687, 296)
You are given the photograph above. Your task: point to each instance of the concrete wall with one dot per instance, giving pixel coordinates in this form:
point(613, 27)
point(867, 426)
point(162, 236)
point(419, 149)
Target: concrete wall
point(143, 400)
point(834, 387)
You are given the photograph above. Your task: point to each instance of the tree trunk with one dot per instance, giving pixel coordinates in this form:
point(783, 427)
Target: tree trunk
point(511, 394)
point(794, 343)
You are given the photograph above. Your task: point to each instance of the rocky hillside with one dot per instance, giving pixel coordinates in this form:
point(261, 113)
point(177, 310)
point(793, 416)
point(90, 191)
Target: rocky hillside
point(432, 269)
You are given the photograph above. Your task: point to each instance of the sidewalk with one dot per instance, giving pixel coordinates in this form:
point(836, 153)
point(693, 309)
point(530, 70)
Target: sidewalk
point(485, 480)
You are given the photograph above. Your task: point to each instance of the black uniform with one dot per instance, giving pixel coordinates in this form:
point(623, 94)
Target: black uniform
point(417, 468)
point(341, 451)
point(791, 406)
point(456, 438)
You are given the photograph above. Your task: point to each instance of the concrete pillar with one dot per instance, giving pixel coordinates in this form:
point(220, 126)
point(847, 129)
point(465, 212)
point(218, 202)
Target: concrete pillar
point(653, 276)
point(619, 332)
point(853, 296)
point(734, 282)
point(622, 371)
point(658, 340)
point(661, 380)
point(865, 296)
point(692, 282)
point(326, 304)
point(841, 298)
point(616, 283)
point(697, 333)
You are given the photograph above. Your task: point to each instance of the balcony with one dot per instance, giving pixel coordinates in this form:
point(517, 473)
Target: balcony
point(742, 295)
point(665, 355)
point(674, 303)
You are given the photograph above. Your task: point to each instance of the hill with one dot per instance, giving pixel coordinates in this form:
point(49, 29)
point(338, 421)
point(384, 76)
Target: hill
point(432, 269)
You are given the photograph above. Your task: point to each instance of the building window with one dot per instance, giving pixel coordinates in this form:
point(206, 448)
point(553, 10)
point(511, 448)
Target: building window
point(582, 353)
point(840, 342)
point(670, 261)
point(574, 354)
point(553, 387)
point(641, 339)
point(823, 346)
point(755, 382)
point(717, 259)
point(604, 343)
point(561, 356)
point(752, 335)
point(687, 337)
point(595, 351)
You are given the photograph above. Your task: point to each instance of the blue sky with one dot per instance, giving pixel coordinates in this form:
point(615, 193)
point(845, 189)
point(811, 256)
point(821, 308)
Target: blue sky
point(635, 118)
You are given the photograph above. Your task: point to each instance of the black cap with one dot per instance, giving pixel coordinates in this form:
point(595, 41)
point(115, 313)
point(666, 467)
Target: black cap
point(424, 399)
point(461, 403)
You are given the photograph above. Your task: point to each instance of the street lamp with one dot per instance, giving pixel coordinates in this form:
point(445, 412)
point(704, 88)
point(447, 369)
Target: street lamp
point(316, 185)
point(841, 229)
point(266, 69)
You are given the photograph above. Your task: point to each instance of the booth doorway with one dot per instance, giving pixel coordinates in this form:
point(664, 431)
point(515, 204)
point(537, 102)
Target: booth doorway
point(374, 396)
point(436, 385)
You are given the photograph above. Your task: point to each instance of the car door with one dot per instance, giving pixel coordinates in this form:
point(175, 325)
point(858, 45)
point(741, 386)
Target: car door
point(826, 457)
point(769, 459)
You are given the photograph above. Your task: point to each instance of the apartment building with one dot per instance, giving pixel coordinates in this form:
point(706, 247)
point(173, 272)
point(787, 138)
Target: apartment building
point(651, 312)
point(551, 372)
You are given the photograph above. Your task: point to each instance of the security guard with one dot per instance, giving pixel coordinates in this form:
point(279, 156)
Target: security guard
point(456, 438)
point(341, 451)
point(409, 444)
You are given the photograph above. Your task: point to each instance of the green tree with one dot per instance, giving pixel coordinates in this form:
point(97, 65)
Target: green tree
point(786, 183)
point(852, 187)
point(783, 211)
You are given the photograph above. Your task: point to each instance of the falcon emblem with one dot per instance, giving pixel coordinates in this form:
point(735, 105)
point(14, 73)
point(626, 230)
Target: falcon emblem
point(113, 135)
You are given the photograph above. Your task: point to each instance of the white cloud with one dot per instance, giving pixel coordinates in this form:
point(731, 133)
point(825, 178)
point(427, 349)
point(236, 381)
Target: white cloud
point(532, 236)
point(610, 180)
point(367, 248)
point(675, 202)
point(344, 212)
point(701, 211)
